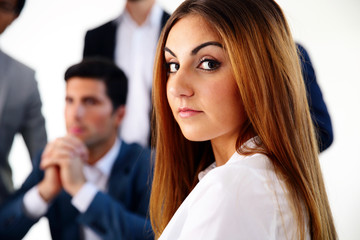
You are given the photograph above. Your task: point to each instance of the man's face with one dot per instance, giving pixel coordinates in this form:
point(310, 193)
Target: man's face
point(89, 113)
point(7, 13)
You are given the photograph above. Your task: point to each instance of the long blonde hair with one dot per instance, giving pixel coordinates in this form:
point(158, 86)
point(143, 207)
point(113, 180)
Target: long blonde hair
point(267, 71)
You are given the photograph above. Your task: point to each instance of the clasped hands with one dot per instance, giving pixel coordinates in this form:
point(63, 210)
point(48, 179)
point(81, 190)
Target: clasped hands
point(62, 162)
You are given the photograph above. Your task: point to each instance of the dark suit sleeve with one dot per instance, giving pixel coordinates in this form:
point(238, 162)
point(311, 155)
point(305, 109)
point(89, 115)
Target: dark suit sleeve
point(14, 223)
point(111, 220)
point(318, 109)
point(126, 219)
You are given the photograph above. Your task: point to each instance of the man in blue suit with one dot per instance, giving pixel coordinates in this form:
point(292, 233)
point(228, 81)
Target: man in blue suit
point(89, 184)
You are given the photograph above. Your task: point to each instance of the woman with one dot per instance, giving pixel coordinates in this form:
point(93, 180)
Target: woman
point(231, 111)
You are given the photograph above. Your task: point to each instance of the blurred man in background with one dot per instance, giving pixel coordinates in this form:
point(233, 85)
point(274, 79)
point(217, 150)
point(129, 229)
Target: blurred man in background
point(20, 104)
point(130, 41)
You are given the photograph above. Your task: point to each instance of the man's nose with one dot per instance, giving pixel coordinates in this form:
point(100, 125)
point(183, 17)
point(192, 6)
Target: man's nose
point(78, 111)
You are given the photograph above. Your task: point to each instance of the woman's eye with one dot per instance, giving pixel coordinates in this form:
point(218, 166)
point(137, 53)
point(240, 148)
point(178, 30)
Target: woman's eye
point(209, 65)
point(173, 67)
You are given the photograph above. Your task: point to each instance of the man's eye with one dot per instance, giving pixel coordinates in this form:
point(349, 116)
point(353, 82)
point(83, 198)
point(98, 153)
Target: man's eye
point(68, 100)
point(209, 65)
point(173, 67)
point(90, 101)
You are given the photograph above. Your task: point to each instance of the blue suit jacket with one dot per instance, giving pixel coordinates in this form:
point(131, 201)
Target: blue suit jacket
point(318, 109)
point(119, 214)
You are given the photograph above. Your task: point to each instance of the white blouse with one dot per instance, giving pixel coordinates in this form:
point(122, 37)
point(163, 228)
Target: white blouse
point(242, 199)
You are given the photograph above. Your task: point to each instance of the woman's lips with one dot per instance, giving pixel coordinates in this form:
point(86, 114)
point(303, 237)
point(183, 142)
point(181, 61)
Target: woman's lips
point(185, 112)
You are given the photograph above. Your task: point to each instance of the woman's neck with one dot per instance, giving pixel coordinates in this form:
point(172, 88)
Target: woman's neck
point(224, 148)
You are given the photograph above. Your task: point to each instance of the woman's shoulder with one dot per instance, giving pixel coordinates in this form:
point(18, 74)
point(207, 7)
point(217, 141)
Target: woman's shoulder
point(256, 168)
point(249, 180)
point(244, 196)
point(242, 178)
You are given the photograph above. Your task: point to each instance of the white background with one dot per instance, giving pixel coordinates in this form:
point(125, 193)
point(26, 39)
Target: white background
point(48, 36)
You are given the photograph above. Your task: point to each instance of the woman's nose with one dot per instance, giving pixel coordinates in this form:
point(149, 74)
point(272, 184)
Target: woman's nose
point(180, 83)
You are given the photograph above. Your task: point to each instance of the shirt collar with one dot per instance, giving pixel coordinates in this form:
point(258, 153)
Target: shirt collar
point(235, 157)
point(107, 161)
point(155, 15)
point(208, 169)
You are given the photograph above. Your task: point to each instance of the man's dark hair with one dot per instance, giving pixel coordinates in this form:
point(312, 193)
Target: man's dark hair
point(19, 6)
point(106, 71)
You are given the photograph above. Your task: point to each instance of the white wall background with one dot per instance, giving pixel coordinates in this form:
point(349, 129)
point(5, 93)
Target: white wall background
point(48, 36)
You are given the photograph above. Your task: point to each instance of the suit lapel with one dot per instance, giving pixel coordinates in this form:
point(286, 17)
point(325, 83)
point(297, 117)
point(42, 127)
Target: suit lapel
point(110, 40)
point(117, 170)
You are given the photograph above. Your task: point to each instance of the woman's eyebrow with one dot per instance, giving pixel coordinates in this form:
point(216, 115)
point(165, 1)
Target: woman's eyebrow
point(197, 49)
point(166, 49)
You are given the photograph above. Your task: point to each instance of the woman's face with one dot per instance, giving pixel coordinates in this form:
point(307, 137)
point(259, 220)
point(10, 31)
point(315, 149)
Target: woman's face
point(201, 89)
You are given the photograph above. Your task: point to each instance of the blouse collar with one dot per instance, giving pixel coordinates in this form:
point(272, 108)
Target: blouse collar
point(235, 157)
